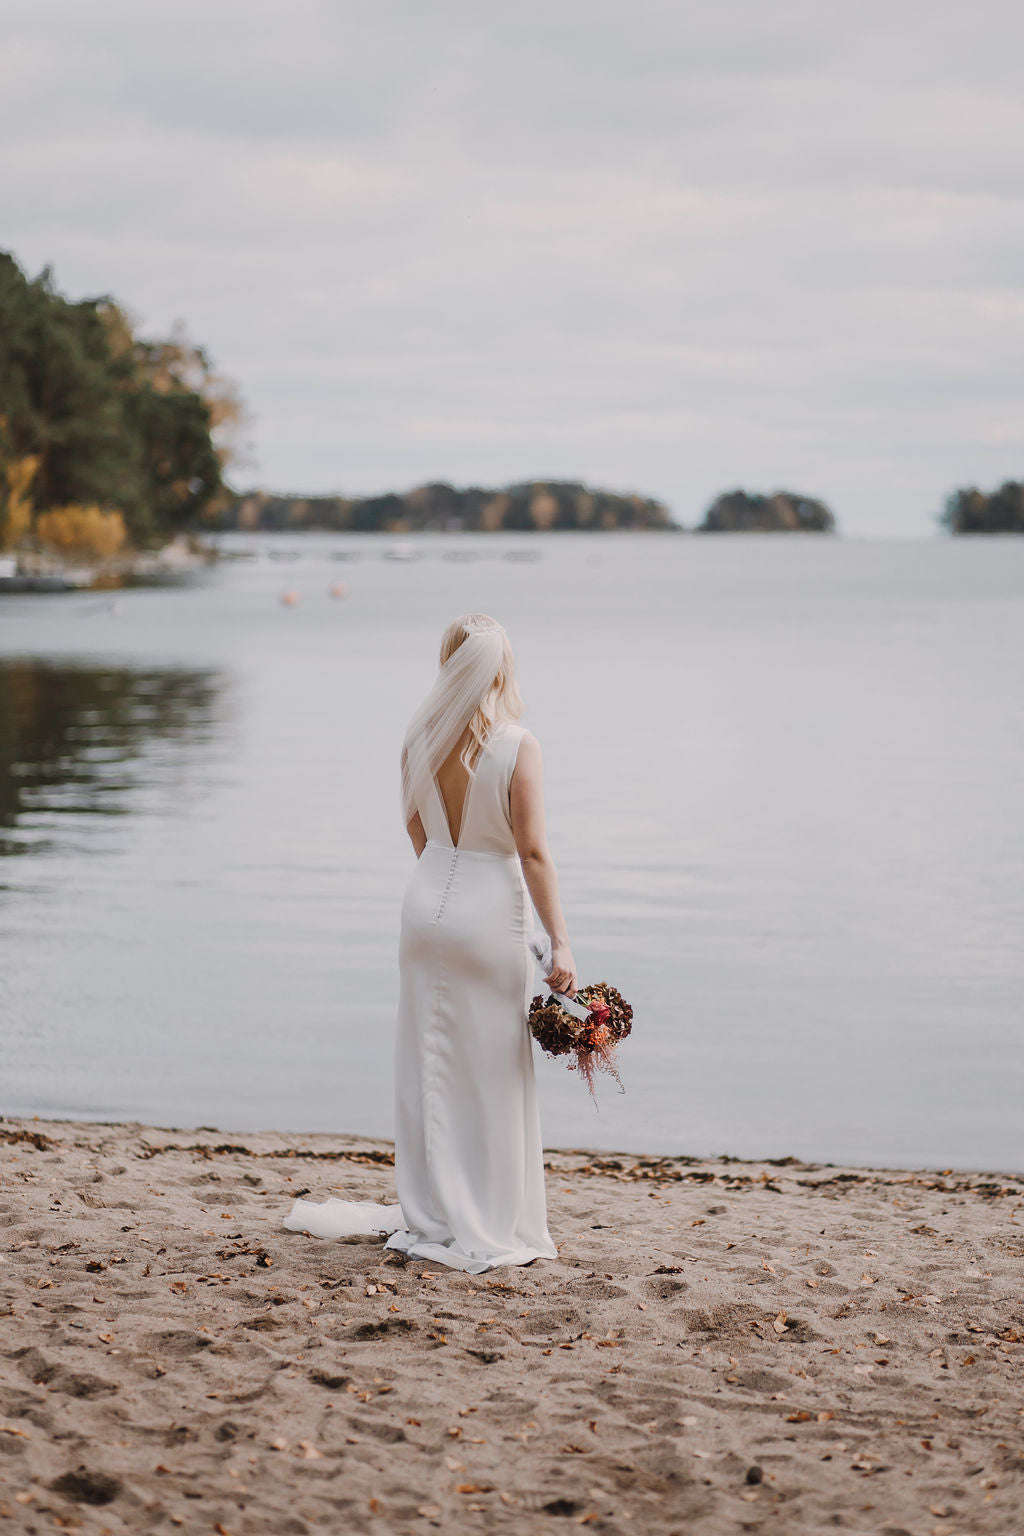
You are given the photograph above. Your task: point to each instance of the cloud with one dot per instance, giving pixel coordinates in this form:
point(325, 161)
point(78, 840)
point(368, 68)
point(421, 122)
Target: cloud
point(658, 246)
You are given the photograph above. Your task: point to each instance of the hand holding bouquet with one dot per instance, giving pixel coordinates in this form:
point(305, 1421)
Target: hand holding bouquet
point(588, 1028)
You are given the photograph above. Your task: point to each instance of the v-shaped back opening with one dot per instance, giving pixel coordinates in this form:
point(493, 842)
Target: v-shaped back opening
point(467, 794)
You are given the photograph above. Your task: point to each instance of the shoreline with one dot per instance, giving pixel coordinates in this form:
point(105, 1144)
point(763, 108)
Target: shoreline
point(892, 1172)
point(722, 1345)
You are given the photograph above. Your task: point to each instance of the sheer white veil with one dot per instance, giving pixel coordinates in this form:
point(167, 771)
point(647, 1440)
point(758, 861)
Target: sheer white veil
point(463, 685)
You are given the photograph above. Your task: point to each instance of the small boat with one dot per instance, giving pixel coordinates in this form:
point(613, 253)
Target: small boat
point(401, 551)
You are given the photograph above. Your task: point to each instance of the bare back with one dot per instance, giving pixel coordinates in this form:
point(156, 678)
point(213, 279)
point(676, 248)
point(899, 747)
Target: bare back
point(453, 786)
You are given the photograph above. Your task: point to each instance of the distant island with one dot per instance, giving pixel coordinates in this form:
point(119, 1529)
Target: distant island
point(972, 511)
point(782, 512)
point(532, 506)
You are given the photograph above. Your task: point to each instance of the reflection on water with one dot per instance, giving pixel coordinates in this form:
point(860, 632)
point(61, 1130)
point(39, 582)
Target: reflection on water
point(73, 741)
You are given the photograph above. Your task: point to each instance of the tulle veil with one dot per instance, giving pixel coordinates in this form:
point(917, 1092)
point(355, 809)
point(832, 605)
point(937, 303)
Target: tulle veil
point(463, 685)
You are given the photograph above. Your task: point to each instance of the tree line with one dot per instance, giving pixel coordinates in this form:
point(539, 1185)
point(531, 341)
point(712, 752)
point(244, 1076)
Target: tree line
point(534, 505)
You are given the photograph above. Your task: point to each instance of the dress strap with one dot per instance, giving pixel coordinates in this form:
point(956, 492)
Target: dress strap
point(512, 737)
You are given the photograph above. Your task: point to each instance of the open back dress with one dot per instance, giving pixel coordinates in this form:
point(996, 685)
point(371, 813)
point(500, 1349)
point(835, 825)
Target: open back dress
point(468, 1155)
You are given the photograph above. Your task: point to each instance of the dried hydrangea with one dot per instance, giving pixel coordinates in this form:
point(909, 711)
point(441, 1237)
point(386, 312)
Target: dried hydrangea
point(591, 1041)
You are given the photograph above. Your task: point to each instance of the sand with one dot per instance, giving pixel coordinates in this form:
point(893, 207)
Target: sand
point(722, 1346)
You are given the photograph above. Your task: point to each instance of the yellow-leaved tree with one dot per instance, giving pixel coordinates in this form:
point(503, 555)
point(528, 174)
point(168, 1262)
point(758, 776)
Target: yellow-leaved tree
point(81, 532)
point(16, 499)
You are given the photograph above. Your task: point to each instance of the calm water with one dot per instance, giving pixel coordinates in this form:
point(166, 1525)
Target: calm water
point(784, 782)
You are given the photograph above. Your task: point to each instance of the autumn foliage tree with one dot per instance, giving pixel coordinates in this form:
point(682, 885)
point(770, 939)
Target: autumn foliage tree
point(16, 477)
point(81, 532)
point(109, 421)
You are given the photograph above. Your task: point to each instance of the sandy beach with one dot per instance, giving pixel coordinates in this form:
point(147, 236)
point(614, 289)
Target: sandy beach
point(722, 1346)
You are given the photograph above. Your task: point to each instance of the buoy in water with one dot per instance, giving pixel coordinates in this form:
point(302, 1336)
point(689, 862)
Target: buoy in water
point(289, 597)
point(337, 589)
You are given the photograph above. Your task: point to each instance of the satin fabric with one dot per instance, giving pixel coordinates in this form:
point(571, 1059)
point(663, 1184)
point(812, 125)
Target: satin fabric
point(469, 1161)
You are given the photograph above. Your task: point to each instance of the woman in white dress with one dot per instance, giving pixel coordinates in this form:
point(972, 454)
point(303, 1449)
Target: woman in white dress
point(468, 1151)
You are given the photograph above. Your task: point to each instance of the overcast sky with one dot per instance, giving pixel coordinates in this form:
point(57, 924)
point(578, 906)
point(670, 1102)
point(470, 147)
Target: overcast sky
point(669, 247)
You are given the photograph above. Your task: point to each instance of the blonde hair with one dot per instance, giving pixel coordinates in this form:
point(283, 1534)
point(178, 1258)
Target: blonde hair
point(502, 701)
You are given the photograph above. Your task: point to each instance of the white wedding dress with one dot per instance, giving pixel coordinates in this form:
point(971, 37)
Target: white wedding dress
point(468, 1155)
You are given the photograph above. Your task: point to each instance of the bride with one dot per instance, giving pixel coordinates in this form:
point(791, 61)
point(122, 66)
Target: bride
point(468, 1154)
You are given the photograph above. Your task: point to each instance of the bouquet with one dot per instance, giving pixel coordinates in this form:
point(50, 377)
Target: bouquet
point(588, 1028)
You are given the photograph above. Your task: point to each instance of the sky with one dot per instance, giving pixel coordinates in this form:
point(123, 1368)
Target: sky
point(657, 245)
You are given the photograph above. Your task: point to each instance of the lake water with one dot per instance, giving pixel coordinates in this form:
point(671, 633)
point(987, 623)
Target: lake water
point(784, 786)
